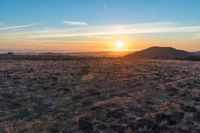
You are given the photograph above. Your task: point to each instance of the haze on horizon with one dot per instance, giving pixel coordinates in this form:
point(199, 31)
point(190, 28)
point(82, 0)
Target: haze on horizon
point(80, 26)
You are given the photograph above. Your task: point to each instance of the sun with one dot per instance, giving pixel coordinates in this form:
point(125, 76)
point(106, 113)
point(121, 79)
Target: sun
point(119, 45)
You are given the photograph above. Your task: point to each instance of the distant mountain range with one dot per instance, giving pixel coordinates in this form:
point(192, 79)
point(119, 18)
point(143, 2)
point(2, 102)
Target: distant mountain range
point(198, 53)
point(79, 54)
point(164, 53)
point(149, 53)
point(101, 54)
point(61, 56)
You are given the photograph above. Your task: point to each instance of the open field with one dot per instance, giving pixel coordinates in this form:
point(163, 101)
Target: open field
point(100, 96)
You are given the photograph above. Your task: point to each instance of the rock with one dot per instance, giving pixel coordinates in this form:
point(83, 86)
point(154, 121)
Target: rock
point(87, 102)
point(185, 93)
point(103, 126)
point(42, 110)
point(145, 124)
point(8, 106)
point(177, 116)
point(69, 131)
point(54, 130)
point(85, 70)
point(149, 102)
point(140, 112)
point(161, 117)
point(161, 129)
point(188, 108)
point(21, 114)
point(2, 130)
point(118, 114)
point(172, 91)
point(118, 128)
point(164, 119)
point(197, 99)
point(93, 92)
point(131, 119)
point(77, 97)
point(15, 116)
point(197, 116)
point(132, 125)
point(7, 95)
point(66, 90)
point(85, 124)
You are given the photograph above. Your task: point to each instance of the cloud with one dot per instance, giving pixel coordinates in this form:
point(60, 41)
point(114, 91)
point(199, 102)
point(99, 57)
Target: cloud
point(196, 36)
point(14, 27)
point(142, 28)
point(75, 23)
point(106, 30)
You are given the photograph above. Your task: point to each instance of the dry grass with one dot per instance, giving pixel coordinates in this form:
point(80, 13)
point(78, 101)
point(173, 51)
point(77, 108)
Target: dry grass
point(108, 95)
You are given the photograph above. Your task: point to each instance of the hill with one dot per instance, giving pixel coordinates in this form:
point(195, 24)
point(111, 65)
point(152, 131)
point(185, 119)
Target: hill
point(192, 58)
point(160, 53)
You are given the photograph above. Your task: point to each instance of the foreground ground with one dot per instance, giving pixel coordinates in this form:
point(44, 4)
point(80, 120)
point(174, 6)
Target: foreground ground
point(101, 96)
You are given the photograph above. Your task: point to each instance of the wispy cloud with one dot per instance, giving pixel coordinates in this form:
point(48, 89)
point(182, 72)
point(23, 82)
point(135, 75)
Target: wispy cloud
point(14, 27)
point(143, 28)
point(106, 30)
point(196, 36)
point(75, 23)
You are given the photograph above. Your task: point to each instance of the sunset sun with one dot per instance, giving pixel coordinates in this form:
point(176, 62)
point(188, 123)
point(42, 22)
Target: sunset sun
point(119, 45)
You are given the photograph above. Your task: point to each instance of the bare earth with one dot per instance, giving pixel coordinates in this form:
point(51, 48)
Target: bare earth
point(99, 96)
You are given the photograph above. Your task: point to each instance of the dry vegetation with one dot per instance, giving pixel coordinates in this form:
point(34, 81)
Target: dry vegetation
point(100, 96)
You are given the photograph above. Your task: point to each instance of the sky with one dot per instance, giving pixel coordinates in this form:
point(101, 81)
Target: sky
point(96, 25)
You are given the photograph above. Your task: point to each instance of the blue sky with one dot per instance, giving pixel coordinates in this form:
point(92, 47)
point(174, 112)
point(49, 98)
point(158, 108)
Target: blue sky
point(20, 17)
point(99, 11)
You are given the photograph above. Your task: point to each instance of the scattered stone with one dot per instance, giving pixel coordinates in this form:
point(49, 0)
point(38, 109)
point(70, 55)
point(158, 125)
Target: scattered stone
point(177, 116)
point(118, 114)
point(66, 90)
point(7, 95)
point(118, 128)
point(161, 129)
point(163, 119)
point(140, 112)
point(85, 70)
point(93, 92)
point(103, 126)
point(197, 116)
point(15, 116)
point(85, 124)
point(197, 99)
point(54, 130)
point(185, 93)
point(42, 110)
point(132, 125)
point(2, 130)
point(87, 102)
point(8, 106)
point(21, 114)
point(145, 124)
point(188, 108)
point(76, 97)
point(149, 102)
point(172, 91)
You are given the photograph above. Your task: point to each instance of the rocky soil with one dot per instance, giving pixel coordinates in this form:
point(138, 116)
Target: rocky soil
point(99, 96)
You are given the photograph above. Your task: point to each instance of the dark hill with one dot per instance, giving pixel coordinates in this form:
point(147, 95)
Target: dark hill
point(192, 58)
point(160, 53)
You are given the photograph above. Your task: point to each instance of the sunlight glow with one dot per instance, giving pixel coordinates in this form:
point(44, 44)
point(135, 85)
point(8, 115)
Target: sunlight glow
point(119, 45)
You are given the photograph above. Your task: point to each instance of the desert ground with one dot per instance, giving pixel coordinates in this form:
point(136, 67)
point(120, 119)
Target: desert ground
point(99, 96)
